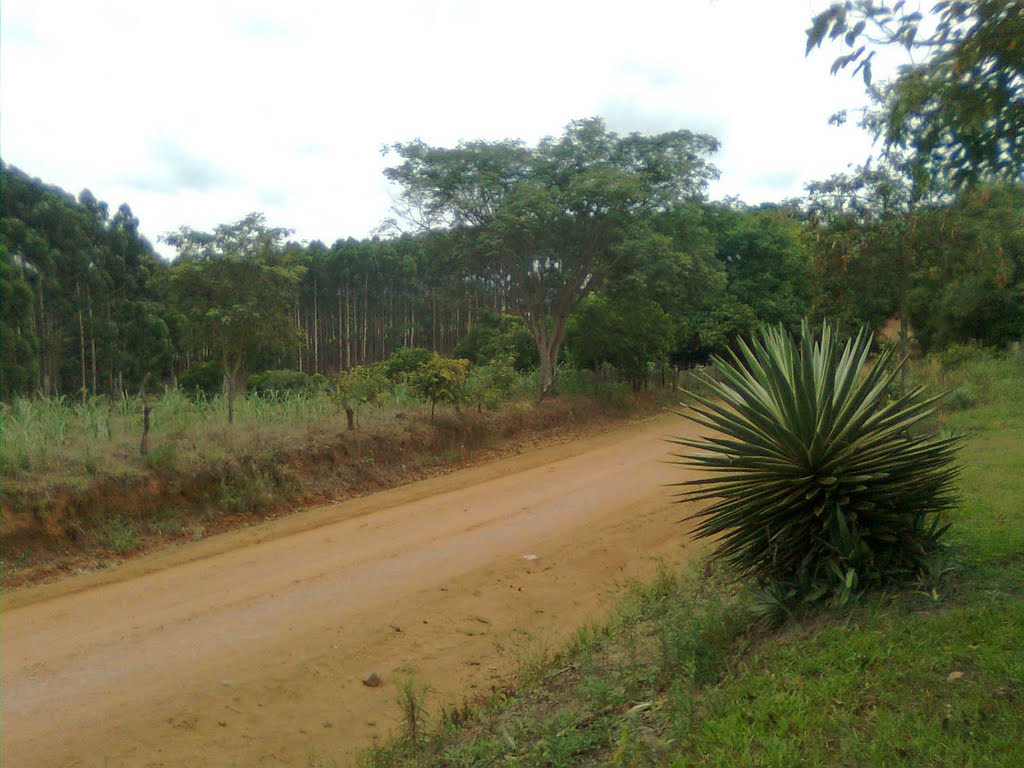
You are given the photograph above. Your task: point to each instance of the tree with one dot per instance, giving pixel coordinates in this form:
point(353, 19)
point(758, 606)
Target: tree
point(440, 380)
point(971, 287)
point(404, 362)
point(19, 343)
point(363, 385)
point(148, 344)
point(74, 275)
point(546, 222)
point(960, 111)
point(236, 286)
point(488, 385)
point(494, 335)
point(628, 331)
point(868, 250)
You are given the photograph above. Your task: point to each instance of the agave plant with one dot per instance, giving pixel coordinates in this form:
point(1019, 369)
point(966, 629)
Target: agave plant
point(817, 480)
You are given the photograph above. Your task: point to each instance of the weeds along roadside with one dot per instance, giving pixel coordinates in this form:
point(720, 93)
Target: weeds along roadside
point(684, 673)
point(77, 493)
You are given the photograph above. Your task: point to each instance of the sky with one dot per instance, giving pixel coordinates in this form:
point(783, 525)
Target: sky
point(197, 113)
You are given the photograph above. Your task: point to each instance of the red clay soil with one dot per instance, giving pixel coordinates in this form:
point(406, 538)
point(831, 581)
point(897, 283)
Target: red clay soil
point(250, 648)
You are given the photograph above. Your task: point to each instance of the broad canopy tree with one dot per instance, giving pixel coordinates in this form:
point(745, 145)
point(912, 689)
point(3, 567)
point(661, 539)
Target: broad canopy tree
point(548, 222)
point(236, 286)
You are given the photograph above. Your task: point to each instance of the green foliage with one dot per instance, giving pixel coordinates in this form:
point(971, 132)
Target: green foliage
point(19, 342)
point(495, 335)
point(235, 286)
point(363, 385)
point(547, 222)
point(319, 383)
point(956, 355)
point(73, 279)
point(120, 535)
point(960, 398)
point(440, 380)
point(412, 701)
point(206, 378)
point(970, 284)
point(766, 264)
point(628, 332)
point(405, 361)
point(953, 268)
point(957, 109)
point(818, 482)
point(269, 382)
point(867, 255)
point(149, 350)
point(488, 386)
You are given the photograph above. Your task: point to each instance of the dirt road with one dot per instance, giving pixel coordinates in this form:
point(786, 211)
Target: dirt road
point(249, 649)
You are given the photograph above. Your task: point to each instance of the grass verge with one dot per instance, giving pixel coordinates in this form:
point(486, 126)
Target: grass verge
point(684, 674)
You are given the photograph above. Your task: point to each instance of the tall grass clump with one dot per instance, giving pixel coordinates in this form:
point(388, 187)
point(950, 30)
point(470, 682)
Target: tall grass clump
point(820, 486)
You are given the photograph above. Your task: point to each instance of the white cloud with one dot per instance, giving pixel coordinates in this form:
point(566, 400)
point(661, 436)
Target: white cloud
point(198, 112)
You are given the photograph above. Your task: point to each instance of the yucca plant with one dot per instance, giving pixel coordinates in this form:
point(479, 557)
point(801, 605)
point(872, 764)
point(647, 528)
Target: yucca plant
point(819, 485)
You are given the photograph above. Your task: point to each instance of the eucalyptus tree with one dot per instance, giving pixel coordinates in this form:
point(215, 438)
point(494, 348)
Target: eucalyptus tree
point(544, 224)
point(74, 273)
point(19, 341)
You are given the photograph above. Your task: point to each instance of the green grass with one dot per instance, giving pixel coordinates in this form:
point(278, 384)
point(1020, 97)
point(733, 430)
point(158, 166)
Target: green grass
point(51, 436)
point(67, 441)
point(684, 674)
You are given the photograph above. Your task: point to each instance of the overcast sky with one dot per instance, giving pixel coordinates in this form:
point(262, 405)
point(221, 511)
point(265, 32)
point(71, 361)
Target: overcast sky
point(198, 112)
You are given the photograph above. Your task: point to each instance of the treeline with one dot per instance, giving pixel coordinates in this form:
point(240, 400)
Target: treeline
point(76, 284)
point(88, 307)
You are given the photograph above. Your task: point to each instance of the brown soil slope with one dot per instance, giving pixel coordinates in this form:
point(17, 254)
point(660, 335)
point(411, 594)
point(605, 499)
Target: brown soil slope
point(249, 649)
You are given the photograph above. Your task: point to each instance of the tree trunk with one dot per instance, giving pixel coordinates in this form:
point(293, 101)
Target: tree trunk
point(904, 348)
point(548, 347)
point(81, 338)
point(350, 414)
point(92, 340)
point(366, 315)
point(230, 374)
point(433, 321)
point(546, 374)
point(433, 404)
point(341, 336)
point(316, 330)
point(144, 443)
point(348, 329)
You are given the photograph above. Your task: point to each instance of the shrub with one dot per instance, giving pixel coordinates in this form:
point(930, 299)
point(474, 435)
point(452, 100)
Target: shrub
point(319, 383)
point(404, 362)
point(956, 355)
point(207, 378)
point(440, 380)
point(960, 398)
point(494, 335)
point(489, 385)
point(819, 487)
point(269, 382)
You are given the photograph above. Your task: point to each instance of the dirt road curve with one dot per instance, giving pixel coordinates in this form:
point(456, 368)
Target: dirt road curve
point(249, 649)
